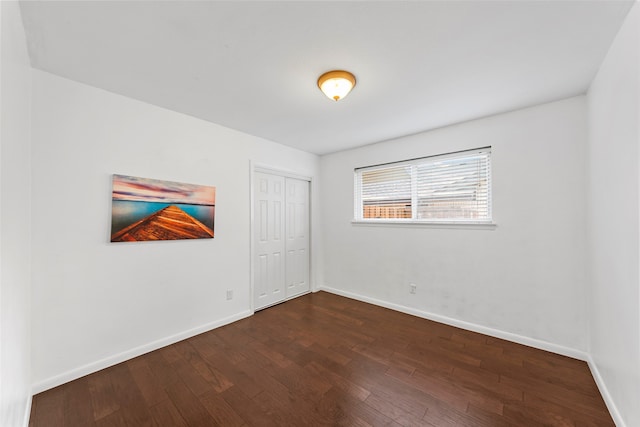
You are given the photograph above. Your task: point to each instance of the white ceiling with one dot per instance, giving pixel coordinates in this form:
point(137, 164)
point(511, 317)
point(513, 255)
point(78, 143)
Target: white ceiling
point(253, 66)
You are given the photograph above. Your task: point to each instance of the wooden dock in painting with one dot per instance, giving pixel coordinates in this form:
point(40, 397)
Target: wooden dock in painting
point(170, 223)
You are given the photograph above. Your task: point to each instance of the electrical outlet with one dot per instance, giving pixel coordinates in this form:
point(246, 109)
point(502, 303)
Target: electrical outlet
point(412, 288)
point(229, 294)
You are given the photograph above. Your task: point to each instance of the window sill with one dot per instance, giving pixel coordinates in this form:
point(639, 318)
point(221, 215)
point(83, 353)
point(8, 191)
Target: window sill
point(425, 224)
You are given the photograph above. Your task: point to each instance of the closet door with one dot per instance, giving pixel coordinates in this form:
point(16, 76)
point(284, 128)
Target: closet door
point(297, 232)
point(280, 238)
point(269, 244)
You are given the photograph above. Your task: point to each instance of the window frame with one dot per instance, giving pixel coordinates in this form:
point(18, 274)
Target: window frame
point(358, 207)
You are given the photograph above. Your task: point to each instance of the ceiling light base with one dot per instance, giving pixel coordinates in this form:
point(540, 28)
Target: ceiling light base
point(336, 84)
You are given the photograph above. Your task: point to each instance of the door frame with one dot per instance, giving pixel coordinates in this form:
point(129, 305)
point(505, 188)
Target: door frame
point(264, 168)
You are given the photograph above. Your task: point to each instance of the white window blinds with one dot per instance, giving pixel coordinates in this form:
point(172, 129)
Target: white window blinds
point(445, 188)
point(386, 193)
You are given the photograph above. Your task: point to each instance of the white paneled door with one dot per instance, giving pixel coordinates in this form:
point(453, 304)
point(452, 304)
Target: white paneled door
point(297, 232)
point(281, 238)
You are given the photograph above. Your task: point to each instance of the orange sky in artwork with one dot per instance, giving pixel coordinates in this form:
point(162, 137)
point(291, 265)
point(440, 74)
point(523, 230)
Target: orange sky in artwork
point(153, 190)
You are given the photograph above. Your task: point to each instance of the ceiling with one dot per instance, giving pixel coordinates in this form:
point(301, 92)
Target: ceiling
point(253, 66)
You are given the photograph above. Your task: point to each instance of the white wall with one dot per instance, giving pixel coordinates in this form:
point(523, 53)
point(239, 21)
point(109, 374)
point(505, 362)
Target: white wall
point(15, 220)
point(523, 280)
point(613, 215)
point(95, 302)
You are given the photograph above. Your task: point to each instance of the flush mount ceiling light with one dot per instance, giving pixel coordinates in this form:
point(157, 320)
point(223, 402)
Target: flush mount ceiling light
point(336, 84)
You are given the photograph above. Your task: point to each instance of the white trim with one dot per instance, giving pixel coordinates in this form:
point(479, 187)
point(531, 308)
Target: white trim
point(509, 336)
point(259, 167)
point(92, 367)
point(27, 412)
point(252, 170)
point(424, 224)
point(604, 391)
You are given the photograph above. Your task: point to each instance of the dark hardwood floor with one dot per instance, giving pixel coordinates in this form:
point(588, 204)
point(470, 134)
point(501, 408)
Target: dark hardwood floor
point(326, 360)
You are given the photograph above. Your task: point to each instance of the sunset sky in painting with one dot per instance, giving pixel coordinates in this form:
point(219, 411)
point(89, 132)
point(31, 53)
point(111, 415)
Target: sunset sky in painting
point(153, 190)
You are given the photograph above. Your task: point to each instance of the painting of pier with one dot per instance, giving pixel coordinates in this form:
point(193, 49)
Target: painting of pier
point(149, 209)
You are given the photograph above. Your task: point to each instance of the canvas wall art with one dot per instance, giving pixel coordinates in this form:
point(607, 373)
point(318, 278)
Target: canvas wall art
point(149, 209)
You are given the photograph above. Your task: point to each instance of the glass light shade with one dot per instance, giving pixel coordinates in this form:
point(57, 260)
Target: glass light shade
point(336, 84)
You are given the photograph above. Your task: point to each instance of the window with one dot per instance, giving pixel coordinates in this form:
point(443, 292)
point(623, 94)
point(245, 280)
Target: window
point(454, 187)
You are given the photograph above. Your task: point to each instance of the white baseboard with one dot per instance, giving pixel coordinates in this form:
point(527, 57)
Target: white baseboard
point(509, 336)
point(604, 391)
point(134, 352)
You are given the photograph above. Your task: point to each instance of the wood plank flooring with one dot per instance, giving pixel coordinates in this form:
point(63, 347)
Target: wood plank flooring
point(326, 360)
